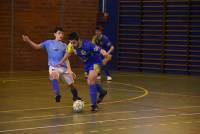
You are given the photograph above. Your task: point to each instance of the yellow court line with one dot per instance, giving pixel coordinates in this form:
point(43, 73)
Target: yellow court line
point(88, 105)
point(129, 99)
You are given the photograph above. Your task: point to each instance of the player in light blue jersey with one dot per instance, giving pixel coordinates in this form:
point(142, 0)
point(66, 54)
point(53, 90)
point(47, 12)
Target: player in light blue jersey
point(56, 50)
point(90, 55)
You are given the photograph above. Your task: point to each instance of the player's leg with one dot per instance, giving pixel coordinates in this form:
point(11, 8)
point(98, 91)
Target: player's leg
point(68, 78)
point(74, 92)
point(106, 70)
point(54, 76)
point(102, 92)
point(106, 67)
point(92, 76)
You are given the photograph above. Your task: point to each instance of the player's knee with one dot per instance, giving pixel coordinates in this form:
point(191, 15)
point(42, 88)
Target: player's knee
point(90, 81)
point(54, 76)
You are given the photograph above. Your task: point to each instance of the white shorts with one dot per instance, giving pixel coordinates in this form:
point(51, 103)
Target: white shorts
point(62, 71)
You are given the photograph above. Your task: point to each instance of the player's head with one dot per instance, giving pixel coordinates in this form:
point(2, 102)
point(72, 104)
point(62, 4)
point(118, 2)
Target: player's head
point(59, 33)
point(98, 31)
point(74, 39)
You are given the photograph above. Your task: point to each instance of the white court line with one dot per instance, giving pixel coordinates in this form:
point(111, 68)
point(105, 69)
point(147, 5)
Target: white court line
point(47, 117)
point(185, 114)
point(94, 131)
point(145, 110)
point(94, 122)
point(106, 130)
point(67, 116)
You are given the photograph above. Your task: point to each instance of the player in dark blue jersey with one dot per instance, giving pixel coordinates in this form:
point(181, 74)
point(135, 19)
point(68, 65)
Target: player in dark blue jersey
point(103, 42)
point(90, 55)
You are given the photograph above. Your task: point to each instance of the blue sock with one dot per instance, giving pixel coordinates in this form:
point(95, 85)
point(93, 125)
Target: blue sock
point(55, 87)
point(100, 89)
point(93, 94)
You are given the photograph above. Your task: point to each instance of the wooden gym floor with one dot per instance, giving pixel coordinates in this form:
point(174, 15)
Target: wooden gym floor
point(137, 103)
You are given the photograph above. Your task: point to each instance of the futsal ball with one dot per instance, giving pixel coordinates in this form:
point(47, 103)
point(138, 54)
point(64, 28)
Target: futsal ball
point(78, 106)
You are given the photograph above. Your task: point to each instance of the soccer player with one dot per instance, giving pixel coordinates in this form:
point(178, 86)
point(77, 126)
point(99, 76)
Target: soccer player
point(56, 50)
point(103, 42)
point(90, 54)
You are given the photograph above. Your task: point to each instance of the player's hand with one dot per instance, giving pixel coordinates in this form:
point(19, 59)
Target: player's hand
point(104, 53)
point(25, 38)
point(59, 64)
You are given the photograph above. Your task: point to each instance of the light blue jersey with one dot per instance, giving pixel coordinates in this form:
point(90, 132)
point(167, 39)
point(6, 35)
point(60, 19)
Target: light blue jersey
point(55, 50)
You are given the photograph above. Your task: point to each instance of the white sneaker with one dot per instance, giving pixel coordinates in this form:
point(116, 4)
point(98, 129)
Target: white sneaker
point(109, 78)
point(98, 77)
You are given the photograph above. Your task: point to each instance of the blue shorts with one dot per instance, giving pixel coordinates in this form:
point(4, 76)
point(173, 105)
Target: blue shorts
point(95, 66)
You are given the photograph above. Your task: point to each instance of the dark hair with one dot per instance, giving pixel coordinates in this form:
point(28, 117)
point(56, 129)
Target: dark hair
point(100, 28)
point(73, 36)
point(58, 29)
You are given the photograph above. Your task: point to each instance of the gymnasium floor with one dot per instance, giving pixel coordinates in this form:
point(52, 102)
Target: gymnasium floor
point(137, 103)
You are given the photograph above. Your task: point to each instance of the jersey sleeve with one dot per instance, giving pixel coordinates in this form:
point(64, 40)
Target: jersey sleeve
point(70, 49)
point(45, 44)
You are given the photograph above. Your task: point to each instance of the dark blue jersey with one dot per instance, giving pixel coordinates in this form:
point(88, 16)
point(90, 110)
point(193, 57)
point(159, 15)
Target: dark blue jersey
point(103, 42)
point(88, 52)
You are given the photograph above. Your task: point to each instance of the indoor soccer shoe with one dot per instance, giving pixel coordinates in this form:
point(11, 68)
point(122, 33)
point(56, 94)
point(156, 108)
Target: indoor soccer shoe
point(109, 78)
point(101, 96)
point(57, 98)
point(94, 108)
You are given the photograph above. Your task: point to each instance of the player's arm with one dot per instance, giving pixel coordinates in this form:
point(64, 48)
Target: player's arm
point(69, 52)
point(69, 69)
point(64, 59)
point(111, 49)
point(31, 43)
point(104, 53)
point(97, 49)
point(109, 44)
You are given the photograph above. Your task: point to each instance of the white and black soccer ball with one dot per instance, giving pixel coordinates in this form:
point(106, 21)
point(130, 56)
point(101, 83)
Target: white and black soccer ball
point(78, 106)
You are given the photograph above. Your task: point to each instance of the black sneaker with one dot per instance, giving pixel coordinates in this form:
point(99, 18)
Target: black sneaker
point(94, 108)
point(57, 98)
point(101, 96)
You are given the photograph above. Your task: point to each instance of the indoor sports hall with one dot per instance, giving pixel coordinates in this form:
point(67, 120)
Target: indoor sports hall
point(151, 74)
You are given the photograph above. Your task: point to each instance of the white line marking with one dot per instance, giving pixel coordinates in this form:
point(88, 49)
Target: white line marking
point(67, 116)
point(148, 125)
point(43, 116)
point(163, 124)
point(78, 133)
point(145, 110)
point(33, 109)
point(47, 117)
point(122, 128)
point(190, 114)
point(56, 115)
point(106, 130)
point(84, 123)
point(175, 123)
point(136, 126)
point(94, 131)
point(187, 122)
